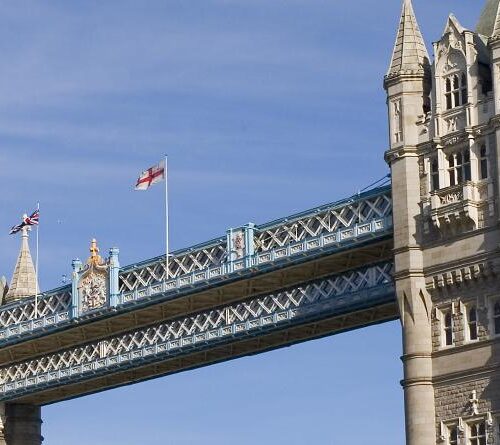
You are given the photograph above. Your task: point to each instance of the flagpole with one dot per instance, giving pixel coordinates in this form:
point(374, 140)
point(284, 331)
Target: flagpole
point(166, 221)
point(36, 265)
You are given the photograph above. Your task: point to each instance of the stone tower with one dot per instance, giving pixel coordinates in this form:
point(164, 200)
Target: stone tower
point(24, 281)
point(444, 124)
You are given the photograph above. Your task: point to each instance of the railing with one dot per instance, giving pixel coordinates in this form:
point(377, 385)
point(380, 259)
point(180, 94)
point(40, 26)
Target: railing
point(325, 219)
point(321, 220)
point(329, 227)
point(257, 315)
point(309, 246)
point(181, 263)
point(19, 317)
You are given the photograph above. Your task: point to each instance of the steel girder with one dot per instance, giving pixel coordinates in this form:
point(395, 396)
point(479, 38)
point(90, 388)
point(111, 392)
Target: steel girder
point(331, 227)
point(321, 307)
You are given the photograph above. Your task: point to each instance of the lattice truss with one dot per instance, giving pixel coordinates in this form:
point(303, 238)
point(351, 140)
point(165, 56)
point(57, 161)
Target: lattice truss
point(197, 259)
point(59, 301)
point(267, 237)
point(325, 221)
point(205, 325)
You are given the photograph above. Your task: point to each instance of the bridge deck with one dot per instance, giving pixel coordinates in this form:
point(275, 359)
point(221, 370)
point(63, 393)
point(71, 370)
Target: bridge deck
point(340, 241)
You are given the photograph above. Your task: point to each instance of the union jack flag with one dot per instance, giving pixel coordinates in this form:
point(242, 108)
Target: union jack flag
point(15, 229)
point(31, 220)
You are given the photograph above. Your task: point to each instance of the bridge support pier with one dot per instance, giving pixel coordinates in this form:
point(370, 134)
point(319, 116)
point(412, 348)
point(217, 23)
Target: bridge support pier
point(21, 424)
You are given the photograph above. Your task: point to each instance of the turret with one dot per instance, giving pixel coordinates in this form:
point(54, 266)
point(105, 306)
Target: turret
point(489, 27)
point(24, 280)
point(407, 81)
point(408, 84)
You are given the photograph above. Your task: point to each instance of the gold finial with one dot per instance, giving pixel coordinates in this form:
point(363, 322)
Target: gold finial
point(94, 258)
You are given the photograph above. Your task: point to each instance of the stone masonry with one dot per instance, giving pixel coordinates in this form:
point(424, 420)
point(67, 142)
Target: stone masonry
point(444, 125)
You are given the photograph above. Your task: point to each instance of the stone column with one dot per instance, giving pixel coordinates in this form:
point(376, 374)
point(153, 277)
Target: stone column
point(22, 424)
point(415, 304)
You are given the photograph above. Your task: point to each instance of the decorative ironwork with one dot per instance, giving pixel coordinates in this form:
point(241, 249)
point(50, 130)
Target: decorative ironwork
point(52, 308)
point(326, 219)
point(181, 263)
point(297, 305)
point(325, 228)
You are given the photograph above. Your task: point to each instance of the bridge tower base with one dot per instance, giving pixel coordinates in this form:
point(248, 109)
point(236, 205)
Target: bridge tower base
point(22, 425)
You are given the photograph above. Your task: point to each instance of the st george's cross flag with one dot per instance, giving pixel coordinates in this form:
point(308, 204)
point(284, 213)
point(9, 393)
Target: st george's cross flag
point(151, 176)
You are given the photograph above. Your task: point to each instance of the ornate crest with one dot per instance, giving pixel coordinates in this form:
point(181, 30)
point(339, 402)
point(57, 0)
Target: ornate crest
point(93, 285)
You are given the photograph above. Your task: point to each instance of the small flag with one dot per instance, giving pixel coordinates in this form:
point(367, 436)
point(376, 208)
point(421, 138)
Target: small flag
point(33, 219)
point(151, 176)
point(15, 229)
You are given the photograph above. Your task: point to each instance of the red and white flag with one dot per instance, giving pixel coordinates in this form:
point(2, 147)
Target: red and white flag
point(151, 176)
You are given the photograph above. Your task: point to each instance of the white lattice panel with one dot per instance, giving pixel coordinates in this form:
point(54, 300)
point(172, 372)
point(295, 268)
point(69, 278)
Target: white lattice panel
point(251, 314)
point(345, 220)
point(355, 212)
point(197, 259)
point(47, 305)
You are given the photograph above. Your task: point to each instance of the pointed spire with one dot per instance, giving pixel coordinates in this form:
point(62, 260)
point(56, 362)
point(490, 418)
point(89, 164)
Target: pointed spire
point(24, 281)
point(489, 22)
point(410, 54)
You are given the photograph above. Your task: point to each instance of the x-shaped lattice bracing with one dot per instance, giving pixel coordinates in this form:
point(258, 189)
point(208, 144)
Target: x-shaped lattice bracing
point(178, 265)
point(330, 220)
point(47, 305)
point(201, 323)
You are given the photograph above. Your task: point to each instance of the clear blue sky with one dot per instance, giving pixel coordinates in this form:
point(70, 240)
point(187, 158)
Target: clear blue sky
point(265, 108)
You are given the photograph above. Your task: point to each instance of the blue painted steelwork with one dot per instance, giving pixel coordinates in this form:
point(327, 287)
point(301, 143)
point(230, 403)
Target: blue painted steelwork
point(114, 271)
point(321, 299)
point(267, 247)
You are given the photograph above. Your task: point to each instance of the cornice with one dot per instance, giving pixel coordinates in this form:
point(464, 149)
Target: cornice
point(405, 151)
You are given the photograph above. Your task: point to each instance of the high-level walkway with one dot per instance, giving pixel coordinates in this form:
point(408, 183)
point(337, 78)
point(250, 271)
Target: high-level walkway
point(258, 287)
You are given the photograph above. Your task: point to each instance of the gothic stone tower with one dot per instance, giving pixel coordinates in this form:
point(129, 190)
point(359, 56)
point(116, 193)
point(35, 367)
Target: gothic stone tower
point(444, 124)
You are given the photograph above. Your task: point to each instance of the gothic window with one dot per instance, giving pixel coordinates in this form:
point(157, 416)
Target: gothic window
point(496, 317)
point(483, 162)
point(456, 90)
point(477, 434)
point(472, 322)
point(453, 435)
point(398, 122)
point(459, 167)
point(434, 174)
point(448, 329)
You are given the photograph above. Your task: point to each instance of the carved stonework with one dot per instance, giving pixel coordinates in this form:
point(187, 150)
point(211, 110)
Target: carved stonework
point(454, 140)
point(238, 240)
point(93, 285)
point(455, 277)
point(93, 291)
point(451, 197)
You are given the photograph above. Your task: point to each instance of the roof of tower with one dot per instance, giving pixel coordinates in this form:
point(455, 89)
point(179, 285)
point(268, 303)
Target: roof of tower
point(489, 22)
point(454, 21)
point(24, 282)
point(410, 54)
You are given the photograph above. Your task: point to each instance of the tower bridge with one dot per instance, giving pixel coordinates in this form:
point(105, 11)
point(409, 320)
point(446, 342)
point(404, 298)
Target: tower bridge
point(258, 288)
point(426, 251)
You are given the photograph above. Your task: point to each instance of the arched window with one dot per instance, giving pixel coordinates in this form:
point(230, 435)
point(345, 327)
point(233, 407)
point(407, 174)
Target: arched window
point(463, 87)
point(448, 329)
point(434, 175)
point(472, 322)
point(483, 162)
point(453, 435)
point(456, 90)
point(459, 167)
point(496, 317)
point(478, 434)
